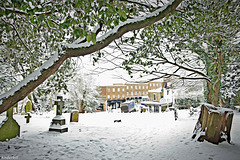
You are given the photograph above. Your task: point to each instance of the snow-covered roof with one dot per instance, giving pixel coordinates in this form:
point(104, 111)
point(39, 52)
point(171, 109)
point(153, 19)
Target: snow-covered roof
point(150, 103)
point(238, 107)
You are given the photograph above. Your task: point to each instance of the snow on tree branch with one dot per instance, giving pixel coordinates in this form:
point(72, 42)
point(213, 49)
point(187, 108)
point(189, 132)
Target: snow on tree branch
point(20, 91)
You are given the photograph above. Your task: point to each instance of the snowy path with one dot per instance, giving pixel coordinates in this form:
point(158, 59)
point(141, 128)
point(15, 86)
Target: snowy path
point(138, 137)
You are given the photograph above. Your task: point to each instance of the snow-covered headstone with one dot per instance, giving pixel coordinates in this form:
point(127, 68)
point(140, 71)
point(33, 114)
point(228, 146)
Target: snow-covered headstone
point(58, 122)
point(214, 124)
point(9, 128)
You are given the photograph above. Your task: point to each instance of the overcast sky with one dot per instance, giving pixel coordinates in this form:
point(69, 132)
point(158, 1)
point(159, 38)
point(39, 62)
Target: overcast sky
point(105, 78)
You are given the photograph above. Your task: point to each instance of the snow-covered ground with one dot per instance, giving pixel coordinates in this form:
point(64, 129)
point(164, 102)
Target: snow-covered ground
point(139, 136)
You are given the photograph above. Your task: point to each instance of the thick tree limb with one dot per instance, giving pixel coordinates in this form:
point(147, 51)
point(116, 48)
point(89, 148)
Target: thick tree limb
point(130, 25)
point(7, 100)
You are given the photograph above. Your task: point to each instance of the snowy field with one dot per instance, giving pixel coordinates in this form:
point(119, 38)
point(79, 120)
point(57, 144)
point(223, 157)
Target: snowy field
point(140, 136)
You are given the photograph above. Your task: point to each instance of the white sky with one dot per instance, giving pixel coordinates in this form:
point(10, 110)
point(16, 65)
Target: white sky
point(105, 78)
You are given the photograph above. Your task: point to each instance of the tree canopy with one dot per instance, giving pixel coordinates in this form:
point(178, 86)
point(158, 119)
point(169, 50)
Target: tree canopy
point(199, 41)
point(68, 29)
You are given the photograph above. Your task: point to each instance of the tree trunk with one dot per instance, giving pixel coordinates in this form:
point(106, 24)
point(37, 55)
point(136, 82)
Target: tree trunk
point(214, 124)
point(77, 105)
point(82, 107)
point(209, 92)
point(213, 93)
point(51, 104)
point(215, 98)
point(21, 107)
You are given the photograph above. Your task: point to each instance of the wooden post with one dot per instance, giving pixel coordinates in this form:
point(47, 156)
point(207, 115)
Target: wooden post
point(214, 124)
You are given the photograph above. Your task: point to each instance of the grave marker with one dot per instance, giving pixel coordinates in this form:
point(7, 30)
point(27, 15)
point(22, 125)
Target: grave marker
point(28, 107)
point(74, 116)
point(9, 128)
point(58, 122)
point(28, 116)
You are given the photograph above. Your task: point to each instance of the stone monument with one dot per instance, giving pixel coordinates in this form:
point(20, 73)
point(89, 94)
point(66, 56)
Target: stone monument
point(28, 116)
point(9, 128)
point(58, 122)
point(28, 107)
point(74, 116)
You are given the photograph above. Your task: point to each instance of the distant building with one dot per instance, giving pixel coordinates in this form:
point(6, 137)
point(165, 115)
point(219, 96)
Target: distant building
point(164, 97)
point(113, 95)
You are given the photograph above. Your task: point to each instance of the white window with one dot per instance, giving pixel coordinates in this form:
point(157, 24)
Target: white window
point(108, 96)
point(135, 93)
point(150, 84)
point(113, 89)
point(118, 89)
point(135, 87)
point(143, 87)
point(123, 89)
point(127, 87)
point(131, 87)
point(108, 89)
point(146, 87)
point(113, 96)
point(132, 93)
point(139, 87)
point(153, 84)
point(119, 96)
point(127, 93)
point(143, 93)
point(157, 84)
point(139, 93)
point(123, 96)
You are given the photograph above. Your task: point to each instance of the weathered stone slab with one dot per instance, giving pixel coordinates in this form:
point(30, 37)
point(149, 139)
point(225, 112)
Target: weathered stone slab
point(74, 116)
point(9, 128)
point(28, 107)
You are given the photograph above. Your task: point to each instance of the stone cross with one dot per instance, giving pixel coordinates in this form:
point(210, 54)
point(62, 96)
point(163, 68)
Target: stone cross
point(58, 122)
point(28, 117)
point(59, 104)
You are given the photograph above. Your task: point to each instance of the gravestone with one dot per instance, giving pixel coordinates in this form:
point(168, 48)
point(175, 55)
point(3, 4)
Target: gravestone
point(58, 122)
point(74, 116)
point(28, 107)
point(9, 128)
point(28, 116)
